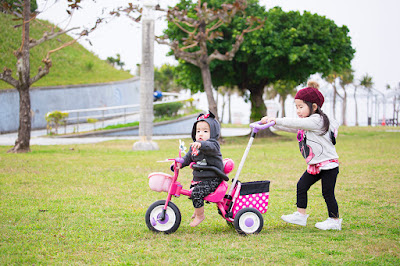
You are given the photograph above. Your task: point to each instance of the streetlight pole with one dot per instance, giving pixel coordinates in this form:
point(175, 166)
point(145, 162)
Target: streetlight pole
point(147, 80)
point(383, 108)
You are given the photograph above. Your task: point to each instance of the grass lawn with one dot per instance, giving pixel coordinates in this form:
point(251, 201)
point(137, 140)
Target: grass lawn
point(71, 65)
point(85, 204)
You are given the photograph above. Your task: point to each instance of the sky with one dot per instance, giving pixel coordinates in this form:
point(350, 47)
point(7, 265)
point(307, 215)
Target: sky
point(374, 28)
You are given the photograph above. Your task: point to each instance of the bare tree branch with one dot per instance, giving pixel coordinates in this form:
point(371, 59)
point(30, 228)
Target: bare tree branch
point(235, 47)
point(48, 36)
point(7, 77)
point(215, 26)
point(42, 71)
point(61, 47)
point(189, 24)
point(183, 29)
point(190, 46)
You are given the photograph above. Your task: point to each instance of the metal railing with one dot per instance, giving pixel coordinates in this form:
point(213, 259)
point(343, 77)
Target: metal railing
point(80, 116)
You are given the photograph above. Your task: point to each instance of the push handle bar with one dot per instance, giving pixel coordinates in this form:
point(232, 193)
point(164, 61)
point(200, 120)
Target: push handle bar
point(257, 126)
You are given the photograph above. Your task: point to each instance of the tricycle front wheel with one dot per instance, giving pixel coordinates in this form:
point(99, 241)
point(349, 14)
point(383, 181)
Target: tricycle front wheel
point(172, 217)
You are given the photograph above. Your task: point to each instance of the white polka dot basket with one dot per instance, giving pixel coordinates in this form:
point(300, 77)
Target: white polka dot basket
point(252, 195)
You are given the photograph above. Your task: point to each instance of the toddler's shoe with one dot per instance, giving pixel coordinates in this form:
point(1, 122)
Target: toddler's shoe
point(296, 218)
point(330, 224)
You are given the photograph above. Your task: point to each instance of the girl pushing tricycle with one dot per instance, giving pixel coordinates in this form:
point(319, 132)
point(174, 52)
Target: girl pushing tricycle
point(242, 206)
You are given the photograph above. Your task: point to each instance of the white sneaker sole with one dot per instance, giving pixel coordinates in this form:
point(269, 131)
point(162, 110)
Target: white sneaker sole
point(338, 229)
point(293, 222)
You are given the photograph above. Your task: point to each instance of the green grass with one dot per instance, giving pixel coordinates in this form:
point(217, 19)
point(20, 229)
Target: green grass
point(85, 204)
point(71, 65)
point(133, 124)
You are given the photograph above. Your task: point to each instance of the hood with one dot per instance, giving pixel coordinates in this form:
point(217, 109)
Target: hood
point(215, 128)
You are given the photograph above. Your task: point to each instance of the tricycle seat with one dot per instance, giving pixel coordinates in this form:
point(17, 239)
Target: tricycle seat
point(218, 194)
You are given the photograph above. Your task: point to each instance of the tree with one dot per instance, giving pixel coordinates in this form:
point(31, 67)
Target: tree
point(395, 92)
point(225, 91)
point(10, 6)
point(284, 88)
point(164, 78)
point(115, 61)
point(291, 46)
point(331, 79)
point(367, 83)
point(193, 28)
point(346, 79)
point(55, 119)
point(23, 80)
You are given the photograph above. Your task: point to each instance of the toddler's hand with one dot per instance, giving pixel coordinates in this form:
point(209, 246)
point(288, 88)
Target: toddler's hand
point(195, 145)
point(178, 166)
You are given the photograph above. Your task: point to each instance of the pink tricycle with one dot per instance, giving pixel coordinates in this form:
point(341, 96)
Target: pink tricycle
point(241, 207)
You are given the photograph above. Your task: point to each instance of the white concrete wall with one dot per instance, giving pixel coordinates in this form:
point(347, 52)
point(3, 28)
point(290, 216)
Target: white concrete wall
point(60, 98)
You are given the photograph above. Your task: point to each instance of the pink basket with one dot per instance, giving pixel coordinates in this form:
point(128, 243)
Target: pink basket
point(160, 181)
point(252, 195)
point(257, 201)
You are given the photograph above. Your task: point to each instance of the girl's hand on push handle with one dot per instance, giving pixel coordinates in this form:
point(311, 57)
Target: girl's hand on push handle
point(267, 119)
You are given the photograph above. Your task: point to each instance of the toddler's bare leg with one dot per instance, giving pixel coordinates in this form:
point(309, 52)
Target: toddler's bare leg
point(199, 216)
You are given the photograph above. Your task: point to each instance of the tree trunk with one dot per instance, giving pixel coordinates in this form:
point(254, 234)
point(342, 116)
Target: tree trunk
point(344, 107)
point(22, 144)
point(258, 108)
point(283, 100)
point(355, 103)
point(206, 75)
point(334, 101)
point(229, 108)
point(223, 108)
point(368, 109)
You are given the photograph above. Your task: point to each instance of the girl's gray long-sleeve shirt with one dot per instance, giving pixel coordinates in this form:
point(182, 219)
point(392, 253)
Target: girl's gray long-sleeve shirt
point(321, 147)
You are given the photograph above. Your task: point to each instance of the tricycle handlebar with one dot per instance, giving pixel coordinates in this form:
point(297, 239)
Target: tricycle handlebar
point(257, 126)
point(179, 160)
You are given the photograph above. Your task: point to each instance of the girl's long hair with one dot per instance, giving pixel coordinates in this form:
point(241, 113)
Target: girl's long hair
point(325, 126)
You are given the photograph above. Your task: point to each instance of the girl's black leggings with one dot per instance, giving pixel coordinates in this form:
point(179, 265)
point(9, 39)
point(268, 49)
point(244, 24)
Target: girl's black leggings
point(328, 181)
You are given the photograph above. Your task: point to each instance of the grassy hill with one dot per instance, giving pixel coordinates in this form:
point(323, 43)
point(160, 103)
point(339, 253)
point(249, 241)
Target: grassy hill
point(71, 65)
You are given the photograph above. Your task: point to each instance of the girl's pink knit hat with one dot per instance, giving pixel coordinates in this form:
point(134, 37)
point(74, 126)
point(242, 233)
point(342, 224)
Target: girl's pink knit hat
point(311, 94)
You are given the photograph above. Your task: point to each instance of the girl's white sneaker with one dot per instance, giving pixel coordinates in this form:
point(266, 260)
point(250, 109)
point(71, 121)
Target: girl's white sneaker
point(330, 224)
point(296, 218)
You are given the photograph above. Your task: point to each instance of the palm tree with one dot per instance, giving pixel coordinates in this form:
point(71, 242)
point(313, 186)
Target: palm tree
point(346, 78)
point(366, 83)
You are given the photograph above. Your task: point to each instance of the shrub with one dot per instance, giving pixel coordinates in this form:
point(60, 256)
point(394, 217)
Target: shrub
point(55, 119)
point(89, 65)
point(167, 109)
point(93, 121)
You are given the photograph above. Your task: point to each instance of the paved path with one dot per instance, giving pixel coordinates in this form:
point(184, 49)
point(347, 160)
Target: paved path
point(38, 137)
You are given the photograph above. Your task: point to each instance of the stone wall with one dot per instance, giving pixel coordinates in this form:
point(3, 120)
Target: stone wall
point(44, 100)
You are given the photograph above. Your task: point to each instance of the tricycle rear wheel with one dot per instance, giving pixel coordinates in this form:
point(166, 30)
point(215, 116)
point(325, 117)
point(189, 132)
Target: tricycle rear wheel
point(248, 221)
